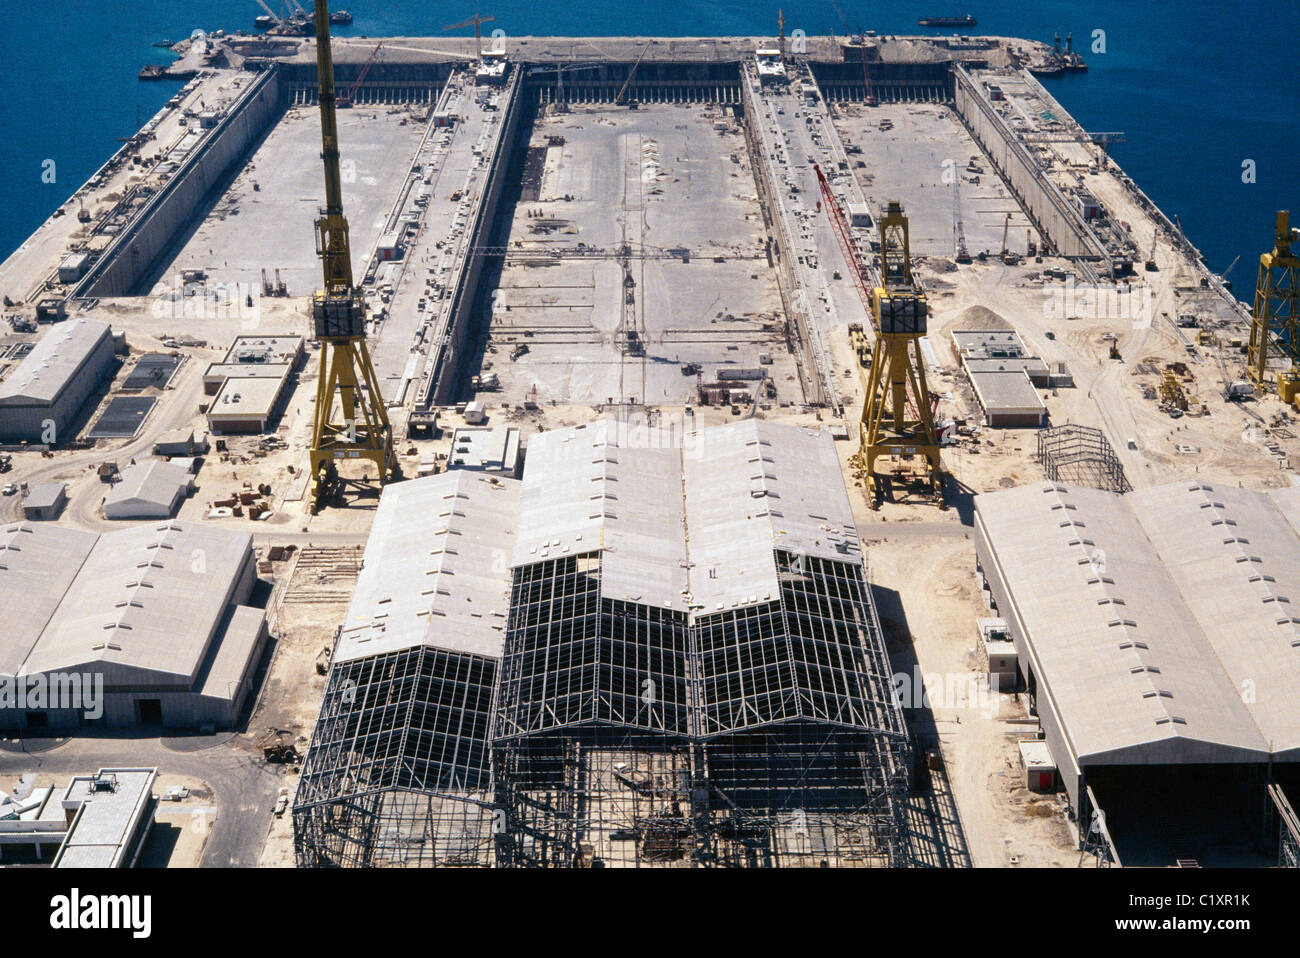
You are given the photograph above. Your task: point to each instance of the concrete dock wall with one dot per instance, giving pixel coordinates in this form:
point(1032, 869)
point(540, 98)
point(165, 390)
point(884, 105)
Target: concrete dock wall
point(929, 82)
point(134, 255)
point(1056, 218)
point(385, 82)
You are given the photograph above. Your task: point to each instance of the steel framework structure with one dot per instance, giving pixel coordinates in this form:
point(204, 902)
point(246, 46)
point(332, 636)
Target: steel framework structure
point(398, 773)
point(767, 735)
point(1081, 455)
point(1288, 827)
point(897, 424)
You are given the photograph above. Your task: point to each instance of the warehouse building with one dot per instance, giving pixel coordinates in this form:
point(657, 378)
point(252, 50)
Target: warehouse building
point(41, 397)
point(720, 643)
point(149, 625)
point(1005, 376)
point(1008, 399)
point(180, 442)
point(153, 489)
point(1158, 643)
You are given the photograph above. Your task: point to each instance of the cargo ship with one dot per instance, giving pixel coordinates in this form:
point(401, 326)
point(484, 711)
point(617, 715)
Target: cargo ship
point(965, 20)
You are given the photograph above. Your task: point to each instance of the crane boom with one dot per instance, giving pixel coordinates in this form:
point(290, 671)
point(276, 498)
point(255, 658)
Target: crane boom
point(631, 73)
point(339, 321)
point(332, 227)
point(839, 222)
point(475, 21)
point(350, 97)
point(275, 18)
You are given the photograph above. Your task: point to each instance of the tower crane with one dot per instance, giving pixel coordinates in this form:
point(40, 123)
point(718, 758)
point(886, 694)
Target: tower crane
point(898, 412)
point(475, 21)
point(1275, 318)
point(339, 319)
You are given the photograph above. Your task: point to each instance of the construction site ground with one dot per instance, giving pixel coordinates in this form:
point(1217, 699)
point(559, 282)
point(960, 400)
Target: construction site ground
point(660, 178)
point(263, 220)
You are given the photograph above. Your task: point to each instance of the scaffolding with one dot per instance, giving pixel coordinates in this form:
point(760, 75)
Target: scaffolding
point(1081, 455)
point(398, 770)
point(766, 735)
point(1283, 817)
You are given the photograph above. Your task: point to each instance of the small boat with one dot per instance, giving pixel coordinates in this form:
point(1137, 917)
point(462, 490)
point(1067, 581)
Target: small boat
point(341, 17)
point(165, 44)
point(264, 22)
point(965, 20)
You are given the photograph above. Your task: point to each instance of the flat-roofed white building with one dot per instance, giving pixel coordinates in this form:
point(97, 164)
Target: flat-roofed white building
point(249, 384)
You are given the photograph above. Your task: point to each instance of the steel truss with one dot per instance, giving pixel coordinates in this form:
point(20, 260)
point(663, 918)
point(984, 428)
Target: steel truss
point(398, 769)
point(1082, 456)
point(761, 736)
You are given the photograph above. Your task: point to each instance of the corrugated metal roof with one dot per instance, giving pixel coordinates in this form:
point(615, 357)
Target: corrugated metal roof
point(38, 561)
point(147, 600)
point(437, 569)
point(220, 679)
point(607, 486)
point(46, 370)
point(154, 482)
point(1148, 630)
point(748, 488)
point(753, 487)
point(1236, 561)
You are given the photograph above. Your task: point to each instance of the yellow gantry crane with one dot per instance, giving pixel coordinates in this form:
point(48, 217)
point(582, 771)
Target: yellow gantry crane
point(363, 433)
point(1275, 318)
point(897, 428)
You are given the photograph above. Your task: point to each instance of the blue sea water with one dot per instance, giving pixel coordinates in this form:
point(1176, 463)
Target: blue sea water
point(1198, 88)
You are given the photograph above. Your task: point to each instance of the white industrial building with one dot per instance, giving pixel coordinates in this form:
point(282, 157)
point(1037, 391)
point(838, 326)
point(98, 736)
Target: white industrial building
point(590, 611)
point(156, 616)
point(1158, 639)
point(44, 501)
point(1007, 398)
point(152, 489)
point(249, 384)
point(486, 449)
point(95, 821)
point(41, 397)
point(1005, 376)
point(403, 733)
